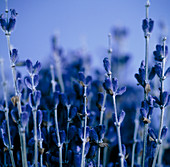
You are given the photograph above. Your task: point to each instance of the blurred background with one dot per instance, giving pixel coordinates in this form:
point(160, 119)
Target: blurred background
point(83, 24)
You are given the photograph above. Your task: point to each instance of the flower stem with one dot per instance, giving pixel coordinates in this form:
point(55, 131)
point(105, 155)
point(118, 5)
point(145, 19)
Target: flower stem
point(135, 136)
point(162, 107)
point(117, 124)
point(58, 138)
point(85, 125)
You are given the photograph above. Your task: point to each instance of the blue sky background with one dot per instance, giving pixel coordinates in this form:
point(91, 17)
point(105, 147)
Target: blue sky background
point(79, 22)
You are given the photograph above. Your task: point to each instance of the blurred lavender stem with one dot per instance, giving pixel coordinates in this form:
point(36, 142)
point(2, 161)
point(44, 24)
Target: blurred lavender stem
point(22, 138)
point(85, 125)
point(60, 146)
point(4, 84)
point(53, 82)
point(162, 107)
point(68, 123)
point(117, 124)
point(58, 68)
point(147, 36)
point(135, 136)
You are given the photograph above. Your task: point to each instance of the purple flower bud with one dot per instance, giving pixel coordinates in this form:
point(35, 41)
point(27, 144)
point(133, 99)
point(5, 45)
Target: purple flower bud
point(15, 116)
point(106, 64)
point(124, 149)
point(39, 117)
point(152, 134)
point(28, 82)
point(81, 77)
point(88, 80)
point(164, 132)
point(34, 99)
point(37, 67)
point(167, 73)
point(62, 136)
point(143, 113)
point(29, 66)
point(19, 85)
point(73, 112)
point(121, 116)
point(81, 132)
point(24, 118)
point(93, 135)
point(152, 73)
point(108, 86)
point(36, 80)
point(115, 84)
point(145, 25)
point(151, 24)
point(164, 98)
point(87, 147)
point(13, 13)
point(121, 90)
point(11, 24)
point(63, 99)
point(14, 55)
point(158, 70)
point(100, 129)
point(5, 138)
point(3, 22)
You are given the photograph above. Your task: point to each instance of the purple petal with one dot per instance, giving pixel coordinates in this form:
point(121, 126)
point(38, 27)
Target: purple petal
point(29, 66)
point(164, 132)
point(88, 80)
point(93, 135)
point(152, 73)
point(158, 70)
point(108, 86)
point(19, 85)
point(151, 24)
point(167, 73)
point(164, 98)
point(36, 80)
point(115, 84)
point(24, 117)
point(3, 22)
point(14, 55)
point(28, 82)
point(62, 136)
point(73, 112)
point(121, 90)
point(121, 116)
point(39, 117)
point(152, 133)
point(14, 114)
point(37, 67)
point(11, 24)
point(106, 64)
point(81, 77)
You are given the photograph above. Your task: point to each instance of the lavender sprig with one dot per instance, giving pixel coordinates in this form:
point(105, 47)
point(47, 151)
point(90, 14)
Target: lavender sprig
point(162, 107)
point(4, 83)
point(112, 89)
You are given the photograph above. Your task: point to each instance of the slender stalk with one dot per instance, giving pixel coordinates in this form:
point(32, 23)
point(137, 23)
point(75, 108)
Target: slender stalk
point(68, 123)
point(134, 137)
point(58, 137)
point(34, 112)
point(53, 82)
point(7, 112)
point(147, 36)
point(162, 107)
point(41, 147)
point(85, 125)
point(117, 124)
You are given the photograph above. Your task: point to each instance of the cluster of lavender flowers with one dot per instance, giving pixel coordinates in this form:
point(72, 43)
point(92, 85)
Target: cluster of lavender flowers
point(63, 117)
